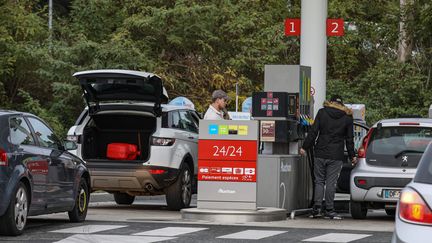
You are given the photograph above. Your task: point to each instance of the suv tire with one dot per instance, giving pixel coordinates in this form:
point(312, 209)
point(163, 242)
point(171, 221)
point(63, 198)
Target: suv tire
point(358, 210)
point(123, 198)
point(13, 224)
point(79, 212)
point(179, 194)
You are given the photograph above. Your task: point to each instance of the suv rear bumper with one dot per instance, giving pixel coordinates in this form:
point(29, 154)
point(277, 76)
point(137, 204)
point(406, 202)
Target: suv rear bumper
point(136, 180)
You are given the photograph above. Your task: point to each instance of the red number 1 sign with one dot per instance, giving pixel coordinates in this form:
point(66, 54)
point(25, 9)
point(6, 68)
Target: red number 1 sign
point(335, 27)
point(292, 27)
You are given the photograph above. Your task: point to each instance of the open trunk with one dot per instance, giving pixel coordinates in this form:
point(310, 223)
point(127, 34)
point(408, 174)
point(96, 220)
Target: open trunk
point(104, 129)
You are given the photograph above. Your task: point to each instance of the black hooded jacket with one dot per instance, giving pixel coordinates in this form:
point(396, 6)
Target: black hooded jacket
point(334, 127)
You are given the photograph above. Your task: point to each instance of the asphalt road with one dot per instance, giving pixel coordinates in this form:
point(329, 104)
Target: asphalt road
point(54, 230)
point(148, 220)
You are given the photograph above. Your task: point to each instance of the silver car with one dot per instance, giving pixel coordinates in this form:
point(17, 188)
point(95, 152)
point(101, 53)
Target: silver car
point(414, 220)
point(126, 107)
point(388, 159)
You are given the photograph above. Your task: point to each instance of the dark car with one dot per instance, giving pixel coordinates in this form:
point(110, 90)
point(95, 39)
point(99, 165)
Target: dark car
point(37, 174)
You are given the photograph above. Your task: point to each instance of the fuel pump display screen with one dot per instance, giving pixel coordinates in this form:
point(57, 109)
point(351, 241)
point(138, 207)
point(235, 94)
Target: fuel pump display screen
point(274, 104)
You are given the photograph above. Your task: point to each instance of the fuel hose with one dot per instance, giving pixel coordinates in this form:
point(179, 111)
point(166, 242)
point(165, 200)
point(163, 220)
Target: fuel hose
point(310, 159)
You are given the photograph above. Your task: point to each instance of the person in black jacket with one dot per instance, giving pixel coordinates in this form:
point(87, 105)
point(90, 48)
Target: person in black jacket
point(331, 131)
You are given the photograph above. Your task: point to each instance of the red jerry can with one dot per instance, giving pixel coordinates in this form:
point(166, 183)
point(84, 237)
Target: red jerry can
point(122, 151)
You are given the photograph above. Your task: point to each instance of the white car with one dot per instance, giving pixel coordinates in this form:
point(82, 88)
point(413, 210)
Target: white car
point(388, 160)
point(126, 107)
point(414, 211)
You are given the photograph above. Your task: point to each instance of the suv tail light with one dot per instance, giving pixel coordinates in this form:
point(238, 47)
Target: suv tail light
point(362, 150)
point(362, 182)
point(3, 158)
point(413, 208)
point(156, 141)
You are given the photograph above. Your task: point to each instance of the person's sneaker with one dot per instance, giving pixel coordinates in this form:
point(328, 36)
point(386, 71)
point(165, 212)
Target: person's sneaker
point(316, 212)
point(332, 215)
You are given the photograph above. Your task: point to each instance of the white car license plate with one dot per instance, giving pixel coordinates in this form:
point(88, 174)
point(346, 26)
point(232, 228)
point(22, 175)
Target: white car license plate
point(391, 194)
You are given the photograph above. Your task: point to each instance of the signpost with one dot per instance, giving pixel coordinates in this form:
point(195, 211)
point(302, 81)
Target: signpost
point(227, 164)
point(334, 27)
point(314, 27)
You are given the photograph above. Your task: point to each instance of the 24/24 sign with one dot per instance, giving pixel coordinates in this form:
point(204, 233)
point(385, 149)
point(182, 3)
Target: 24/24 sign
point(223, 151)
point(227, 150)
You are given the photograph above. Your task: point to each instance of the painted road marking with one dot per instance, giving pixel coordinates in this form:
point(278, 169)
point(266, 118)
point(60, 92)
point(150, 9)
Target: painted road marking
point(252, 234)
point(171, 231)
point(88, 229)
point(337, 237)
point(78, 238)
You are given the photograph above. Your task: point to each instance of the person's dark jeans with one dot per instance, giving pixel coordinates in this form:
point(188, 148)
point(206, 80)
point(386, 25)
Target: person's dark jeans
point(326, 173)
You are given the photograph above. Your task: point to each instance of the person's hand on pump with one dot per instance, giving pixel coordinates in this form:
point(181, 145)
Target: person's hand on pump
point(302, 151)
point(354, 161)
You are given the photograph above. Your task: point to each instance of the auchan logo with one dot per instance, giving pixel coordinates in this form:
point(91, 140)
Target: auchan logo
point(222, 191)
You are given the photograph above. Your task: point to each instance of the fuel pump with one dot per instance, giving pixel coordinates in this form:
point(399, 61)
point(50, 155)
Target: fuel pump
point(284, 110)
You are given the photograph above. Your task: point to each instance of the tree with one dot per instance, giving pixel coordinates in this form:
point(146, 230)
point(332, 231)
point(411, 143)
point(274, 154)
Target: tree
point(405, 35)
point(201, 45)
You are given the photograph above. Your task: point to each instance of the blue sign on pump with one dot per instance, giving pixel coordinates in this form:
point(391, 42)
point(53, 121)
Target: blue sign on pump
point(247, 105)
point(213, 129)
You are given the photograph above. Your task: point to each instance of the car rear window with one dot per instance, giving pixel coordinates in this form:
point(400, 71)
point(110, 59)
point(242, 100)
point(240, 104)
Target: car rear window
point(398, 146)
point(424, 171)
point(110, 89)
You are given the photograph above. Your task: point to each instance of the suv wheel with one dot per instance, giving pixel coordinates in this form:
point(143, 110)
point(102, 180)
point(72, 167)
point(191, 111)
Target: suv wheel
point(14, 220)
point(123, 198)
point(79, 212)
point(179, 194)
point(358, 210)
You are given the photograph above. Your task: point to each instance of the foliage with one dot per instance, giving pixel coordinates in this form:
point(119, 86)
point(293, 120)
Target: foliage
point(33, 106)
point(199, 46)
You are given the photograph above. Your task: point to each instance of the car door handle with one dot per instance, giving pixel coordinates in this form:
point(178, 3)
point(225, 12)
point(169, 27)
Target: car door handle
point(191, 137)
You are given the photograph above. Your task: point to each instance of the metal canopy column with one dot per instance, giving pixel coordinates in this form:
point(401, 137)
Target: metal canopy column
point(313, 45)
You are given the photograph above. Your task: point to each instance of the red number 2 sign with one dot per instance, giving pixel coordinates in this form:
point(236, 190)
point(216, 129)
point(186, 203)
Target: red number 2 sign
point(335, 27)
